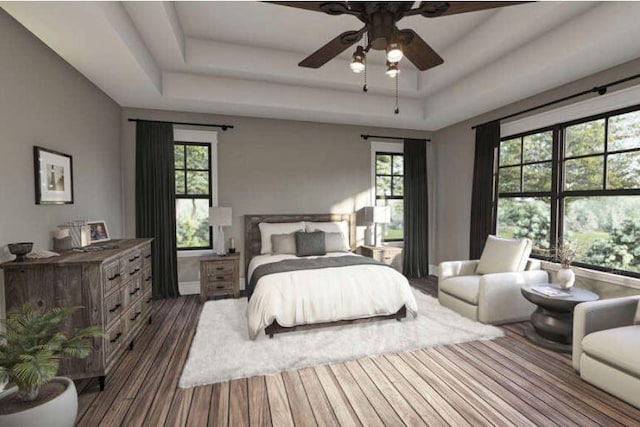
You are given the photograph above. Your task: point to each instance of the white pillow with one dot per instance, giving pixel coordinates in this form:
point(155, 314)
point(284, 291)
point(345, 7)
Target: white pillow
point(334, 242)
point(332, 227)
point(504, 255)
point(269, 228)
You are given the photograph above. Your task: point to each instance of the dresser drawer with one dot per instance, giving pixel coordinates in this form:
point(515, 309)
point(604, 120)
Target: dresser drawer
point(146, 255)
point(132, 291)
point(115, 338)
point(147, 301)
point(112, 275)
point(133, 317)
point(147, 280)
point(113, 306)
point(131, 260)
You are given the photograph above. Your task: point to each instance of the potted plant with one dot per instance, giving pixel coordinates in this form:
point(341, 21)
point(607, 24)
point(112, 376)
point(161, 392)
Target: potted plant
point(565, 255)
point(31, 346)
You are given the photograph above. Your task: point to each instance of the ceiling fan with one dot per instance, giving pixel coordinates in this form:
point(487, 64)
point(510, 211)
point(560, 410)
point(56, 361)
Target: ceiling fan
point(380, 25)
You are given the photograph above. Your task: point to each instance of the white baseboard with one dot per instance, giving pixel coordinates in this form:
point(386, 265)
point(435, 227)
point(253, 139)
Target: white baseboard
point(433, 269)
point(189, 288)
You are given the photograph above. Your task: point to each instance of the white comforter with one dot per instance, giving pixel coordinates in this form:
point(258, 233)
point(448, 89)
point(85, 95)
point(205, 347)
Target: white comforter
point(325, 295)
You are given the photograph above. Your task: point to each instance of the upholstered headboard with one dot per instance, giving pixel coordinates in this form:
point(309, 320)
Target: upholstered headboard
point(252, 241)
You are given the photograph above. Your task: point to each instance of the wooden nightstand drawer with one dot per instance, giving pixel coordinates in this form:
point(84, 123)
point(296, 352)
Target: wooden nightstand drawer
point(214, 287)
point(219, 267)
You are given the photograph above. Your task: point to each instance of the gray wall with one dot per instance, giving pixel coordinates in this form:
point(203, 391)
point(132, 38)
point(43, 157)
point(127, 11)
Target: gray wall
point(455, 147)
point(46, 102)
point(272, 166)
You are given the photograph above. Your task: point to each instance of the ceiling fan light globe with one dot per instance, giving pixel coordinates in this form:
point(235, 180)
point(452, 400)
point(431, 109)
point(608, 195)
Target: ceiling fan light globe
point(394, 52)
point(357, 67)
point(392, 70)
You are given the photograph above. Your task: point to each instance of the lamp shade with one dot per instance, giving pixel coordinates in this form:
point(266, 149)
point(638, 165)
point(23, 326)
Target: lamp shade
point(220, 216)
point(376, 214)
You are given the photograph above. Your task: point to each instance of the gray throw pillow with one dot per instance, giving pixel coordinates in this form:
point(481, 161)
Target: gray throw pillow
point(283, 244)
point(334, 242)
point(637, 319)
point(308, 244)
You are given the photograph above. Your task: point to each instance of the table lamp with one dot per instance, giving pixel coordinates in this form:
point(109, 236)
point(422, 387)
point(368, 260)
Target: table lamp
point(372, 216)
point(219, 217)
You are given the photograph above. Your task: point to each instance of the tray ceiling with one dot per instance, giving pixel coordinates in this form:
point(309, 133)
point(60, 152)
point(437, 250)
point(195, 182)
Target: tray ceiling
point(241, 58)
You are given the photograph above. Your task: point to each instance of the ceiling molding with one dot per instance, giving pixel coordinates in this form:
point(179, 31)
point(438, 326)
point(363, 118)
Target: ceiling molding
point(241, 58)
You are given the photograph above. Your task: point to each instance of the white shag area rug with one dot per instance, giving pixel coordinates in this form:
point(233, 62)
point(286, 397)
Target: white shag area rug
point(221, 349)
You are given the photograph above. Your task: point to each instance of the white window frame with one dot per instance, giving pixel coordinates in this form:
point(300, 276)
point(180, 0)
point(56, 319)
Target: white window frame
point(207, 137)
point(382, 147)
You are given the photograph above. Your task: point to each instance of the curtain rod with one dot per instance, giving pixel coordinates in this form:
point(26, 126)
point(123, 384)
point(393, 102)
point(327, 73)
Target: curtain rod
point(365, 137)
point(600, 90)
point(223, 127)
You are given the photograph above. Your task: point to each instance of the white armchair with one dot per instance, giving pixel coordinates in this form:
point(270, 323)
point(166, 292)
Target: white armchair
point(493, 298)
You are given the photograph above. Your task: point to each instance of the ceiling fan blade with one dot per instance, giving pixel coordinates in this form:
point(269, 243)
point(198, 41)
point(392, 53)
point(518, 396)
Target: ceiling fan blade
point(433, 9)
point(332, 49)
point(332, 8)
point(418, 51)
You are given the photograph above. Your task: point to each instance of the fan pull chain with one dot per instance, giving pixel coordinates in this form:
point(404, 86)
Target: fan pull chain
point(364, 88)
point(397, 110)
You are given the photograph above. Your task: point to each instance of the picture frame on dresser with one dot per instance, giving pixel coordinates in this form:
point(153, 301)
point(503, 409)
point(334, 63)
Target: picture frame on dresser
point(99, 231)
point(53, 177)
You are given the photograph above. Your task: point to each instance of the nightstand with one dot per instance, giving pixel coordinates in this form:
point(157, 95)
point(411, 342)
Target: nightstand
point(219, 276)
point(390, 255)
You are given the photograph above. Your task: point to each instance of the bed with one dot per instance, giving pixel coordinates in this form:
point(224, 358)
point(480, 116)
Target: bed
point(318, 293)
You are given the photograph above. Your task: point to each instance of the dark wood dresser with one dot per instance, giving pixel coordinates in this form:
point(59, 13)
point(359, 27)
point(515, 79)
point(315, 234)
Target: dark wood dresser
point(113, 285)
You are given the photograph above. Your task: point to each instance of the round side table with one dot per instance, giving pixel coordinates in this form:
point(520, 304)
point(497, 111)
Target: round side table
point(552, 321)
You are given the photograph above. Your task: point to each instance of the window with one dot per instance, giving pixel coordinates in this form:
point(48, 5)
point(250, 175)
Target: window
point(587, 193)
point(524, 188)
point(193, 195)
point(389, 185)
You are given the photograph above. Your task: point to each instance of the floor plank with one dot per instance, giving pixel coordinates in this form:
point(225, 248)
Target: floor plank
point(507, 381)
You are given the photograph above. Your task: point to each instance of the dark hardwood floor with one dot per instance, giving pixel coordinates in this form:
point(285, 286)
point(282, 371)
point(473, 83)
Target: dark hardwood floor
point(507, 381)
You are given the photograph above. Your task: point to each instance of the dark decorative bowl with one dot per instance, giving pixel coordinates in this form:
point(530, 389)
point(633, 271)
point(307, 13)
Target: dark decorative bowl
point(20, 250)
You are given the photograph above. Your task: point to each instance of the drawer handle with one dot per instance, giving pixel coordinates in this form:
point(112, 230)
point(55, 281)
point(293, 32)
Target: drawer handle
point(147, 256)
point(149, 300)
point(220, 286)
point(387, 257)
point(117, 337)
point(219, 268)
point(134, 258)
point(147, 279)
point(115, 307)
point(134, 272)
point(136, 316)
point(114, 277)
point(134, 292)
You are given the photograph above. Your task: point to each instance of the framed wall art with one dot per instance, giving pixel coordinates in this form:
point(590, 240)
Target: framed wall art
point(53, 177)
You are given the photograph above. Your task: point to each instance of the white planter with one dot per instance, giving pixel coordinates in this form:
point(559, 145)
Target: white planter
point(566, 278)
point(60, 411)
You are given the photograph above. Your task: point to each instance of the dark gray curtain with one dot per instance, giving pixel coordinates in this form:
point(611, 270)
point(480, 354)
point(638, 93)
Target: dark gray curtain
point(156, 202)
point(482, 223)
point(416, 218)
